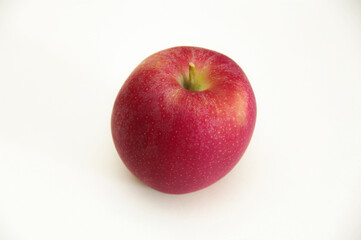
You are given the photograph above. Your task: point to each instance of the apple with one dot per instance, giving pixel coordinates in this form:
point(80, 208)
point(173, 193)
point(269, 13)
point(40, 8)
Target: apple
point(183, 119)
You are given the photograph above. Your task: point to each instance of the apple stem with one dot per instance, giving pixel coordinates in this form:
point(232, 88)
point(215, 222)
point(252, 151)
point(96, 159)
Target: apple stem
point(192, 74)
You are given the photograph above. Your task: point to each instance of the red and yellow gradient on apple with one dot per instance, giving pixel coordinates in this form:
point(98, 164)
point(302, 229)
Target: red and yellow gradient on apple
point(183, 119)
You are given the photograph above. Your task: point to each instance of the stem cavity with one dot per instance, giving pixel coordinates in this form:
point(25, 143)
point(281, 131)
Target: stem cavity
point(194, 81)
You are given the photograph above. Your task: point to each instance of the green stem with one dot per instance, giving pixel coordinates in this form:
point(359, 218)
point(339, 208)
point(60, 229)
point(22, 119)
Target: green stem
point(192, 74)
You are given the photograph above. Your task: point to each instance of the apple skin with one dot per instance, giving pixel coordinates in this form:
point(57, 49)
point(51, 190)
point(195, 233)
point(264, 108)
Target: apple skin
point(177, 140)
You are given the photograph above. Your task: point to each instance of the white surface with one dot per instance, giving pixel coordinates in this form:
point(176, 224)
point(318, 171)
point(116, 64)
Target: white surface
point(63, 62)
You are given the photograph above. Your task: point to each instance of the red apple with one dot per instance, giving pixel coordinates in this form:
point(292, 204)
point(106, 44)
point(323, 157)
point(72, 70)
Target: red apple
point(183, 119)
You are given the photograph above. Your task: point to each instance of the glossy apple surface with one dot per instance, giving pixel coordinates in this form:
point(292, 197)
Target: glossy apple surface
point(183, 119)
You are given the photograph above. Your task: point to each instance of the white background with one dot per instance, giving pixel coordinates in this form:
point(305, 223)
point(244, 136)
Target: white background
point(63, 62)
